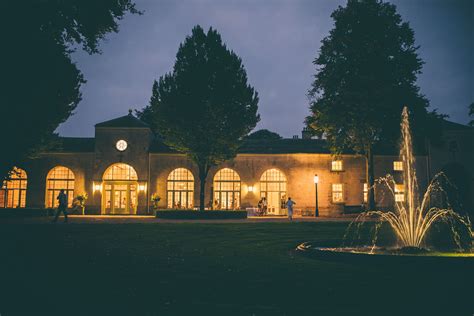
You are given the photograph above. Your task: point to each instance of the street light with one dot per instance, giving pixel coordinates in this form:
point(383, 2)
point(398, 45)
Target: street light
point(316, 180)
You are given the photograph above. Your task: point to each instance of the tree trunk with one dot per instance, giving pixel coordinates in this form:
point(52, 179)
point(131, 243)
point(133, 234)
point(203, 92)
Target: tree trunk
point(203, 171)
point(369, 169)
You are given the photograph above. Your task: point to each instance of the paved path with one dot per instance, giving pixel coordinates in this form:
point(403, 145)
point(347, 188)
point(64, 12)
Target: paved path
point(104, 219)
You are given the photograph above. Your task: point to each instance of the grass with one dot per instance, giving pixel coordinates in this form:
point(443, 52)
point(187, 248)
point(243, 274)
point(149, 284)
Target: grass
point(203, 269)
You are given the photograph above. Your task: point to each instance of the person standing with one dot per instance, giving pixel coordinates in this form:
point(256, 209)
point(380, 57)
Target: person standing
point(62, 199)
point(264, 206)
point(289, 206)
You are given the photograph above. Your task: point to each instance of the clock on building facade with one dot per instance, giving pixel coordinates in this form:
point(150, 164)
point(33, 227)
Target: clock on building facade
point(121, 145)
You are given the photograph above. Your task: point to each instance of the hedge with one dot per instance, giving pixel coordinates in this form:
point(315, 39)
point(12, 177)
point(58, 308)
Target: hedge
point(182, 214)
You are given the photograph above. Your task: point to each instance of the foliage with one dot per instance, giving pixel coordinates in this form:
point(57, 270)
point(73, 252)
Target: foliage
point(155, 198)
point(264, 134)
point(41, 83)
point(204, 106)
point(366, 72)
point(471, 113)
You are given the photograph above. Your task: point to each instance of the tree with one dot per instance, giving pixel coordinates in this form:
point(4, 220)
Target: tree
point(205, 106)
point(471, 113)
point(366, 72)
point(41, 86)
point(263, 134)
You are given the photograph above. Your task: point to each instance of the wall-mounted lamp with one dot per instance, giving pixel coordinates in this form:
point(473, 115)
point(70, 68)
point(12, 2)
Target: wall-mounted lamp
point(97, 187)
point(250, 187)
point(142, 187)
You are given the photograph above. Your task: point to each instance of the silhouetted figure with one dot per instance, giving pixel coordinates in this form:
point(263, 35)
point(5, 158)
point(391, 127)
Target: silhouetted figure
point(289, 205)
point(62, 199)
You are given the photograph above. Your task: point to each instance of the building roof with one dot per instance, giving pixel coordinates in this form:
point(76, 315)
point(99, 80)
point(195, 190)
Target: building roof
point(73, 145)
point(448, 125)
point(129, 121)
point(254, 146)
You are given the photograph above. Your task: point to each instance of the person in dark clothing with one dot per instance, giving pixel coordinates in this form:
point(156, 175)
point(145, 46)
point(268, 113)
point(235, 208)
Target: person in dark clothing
point(62, 199)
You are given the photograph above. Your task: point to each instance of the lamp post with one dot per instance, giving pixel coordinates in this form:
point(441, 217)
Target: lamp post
point(316, 180)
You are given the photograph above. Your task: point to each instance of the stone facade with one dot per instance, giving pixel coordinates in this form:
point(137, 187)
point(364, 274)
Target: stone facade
point(299, 160)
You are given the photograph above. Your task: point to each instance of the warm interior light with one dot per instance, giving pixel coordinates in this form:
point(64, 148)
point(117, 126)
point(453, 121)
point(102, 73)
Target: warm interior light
point(250, 188)
point(142, 187)
point(316, 178)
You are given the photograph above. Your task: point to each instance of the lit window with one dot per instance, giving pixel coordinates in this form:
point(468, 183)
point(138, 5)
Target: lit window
point(337, 194)
point(120, 171)
point(365, 193)
point(226, 190)
point(180, 186)
point(273, 189)
point(336, 165)
point(59, 178)
point(13, 191)
point(399, 193)
point(398, 166)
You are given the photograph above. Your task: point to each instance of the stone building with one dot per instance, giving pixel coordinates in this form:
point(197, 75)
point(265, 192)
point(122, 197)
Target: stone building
point(124, 166)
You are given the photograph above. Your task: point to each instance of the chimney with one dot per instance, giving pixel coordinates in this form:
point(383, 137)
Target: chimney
point(306, 133)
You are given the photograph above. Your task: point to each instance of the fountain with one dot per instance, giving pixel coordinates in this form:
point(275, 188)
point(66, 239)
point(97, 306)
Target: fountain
point(411, 220)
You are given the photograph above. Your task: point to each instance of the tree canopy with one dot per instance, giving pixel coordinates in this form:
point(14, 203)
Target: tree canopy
point(263, 134)
point(205, 106)
point(366, 71)
point(41, 82)
point(471, 113)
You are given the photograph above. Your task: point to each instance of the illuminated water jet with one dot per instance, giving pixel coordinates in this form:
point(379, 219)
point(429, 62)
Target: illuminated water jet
point(412, 217)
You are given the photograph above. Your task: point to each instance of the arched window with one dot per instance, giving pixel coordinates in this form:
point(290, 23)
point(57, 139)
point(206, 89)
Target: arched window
point(120, 171)
point(226, 190)
point(273, 188)
point(180, 188)
point(59, 178)
point(13, 191)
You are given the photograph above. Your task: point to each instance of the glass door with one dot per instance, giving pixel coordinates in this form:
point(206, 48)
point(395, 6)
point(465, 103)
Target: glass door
point(119, 198)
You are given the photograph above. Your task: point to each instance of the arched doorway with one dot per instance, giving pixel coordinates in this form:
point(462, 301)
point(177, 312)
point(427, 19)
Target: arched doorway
point(227, 189)
point(273, 188)
point(180, 189)
point(13, 190)
point(119, 190)
point(59, 178)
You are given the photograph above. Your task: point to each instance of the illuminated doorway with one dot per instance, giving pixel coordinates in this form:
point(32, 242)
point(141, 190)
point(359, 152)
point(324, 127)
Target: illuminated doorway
point(227, 190)
point(273, 188)
point(180, 189)
point(119, 190)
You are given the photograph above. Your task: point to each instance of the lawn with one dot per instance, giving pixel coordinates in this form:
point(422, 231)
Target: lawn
point(202, 269)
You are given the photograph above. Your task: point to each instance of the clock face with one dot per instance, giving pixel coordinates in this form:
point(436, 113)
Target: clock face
point(121, 145)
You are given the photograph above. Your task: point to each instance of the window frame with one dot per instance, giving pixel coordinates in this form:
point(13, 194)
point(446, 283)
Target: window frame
point(337, 162)
point(342, 201)
point(14, 190)
point(174, 178)
point(397, 165)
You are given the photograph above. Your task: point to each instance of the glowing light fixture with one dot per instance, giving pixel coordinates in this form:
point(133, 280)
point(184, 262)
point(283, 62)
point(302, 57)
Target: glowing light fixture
point(316, 178)
point(142, 187)
point(250, 187)
point(97, 187)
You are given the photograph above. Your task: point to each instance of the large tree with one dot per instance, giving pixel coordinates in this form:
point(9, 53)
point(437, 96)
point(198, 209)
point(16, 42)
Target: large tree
point(366, 72)
point(471, 113)
point(205, 106)
point(41, 83)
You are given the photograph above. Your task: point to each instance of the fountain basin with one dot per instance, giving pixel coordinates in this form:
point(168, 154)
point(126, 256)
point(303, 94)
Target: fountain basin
point(380, 255)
